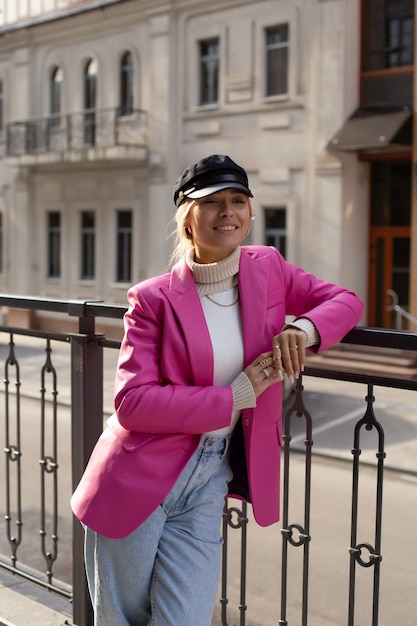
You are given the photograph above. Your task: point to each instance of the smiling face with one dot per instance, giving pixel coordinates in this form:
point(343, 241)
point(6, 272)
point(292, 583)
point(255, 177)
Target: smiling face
point(219, 223)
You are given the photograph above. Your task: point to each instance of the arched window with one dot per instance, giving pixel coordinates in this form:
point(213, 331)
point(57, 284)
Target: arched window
point(90, 91)
point(90, 84)
point(126, 84)
point(55, 95)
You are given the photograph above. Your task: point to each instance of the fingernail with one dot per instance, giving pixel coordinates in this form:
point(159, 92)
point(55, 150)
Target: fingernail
point(291, 378)
point(297, 375)
point(302, 368)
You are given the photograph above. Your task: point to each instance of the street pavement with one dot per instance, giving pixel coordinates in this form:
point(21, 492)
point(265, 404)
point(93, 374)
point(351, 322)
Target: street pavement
point(335, 408)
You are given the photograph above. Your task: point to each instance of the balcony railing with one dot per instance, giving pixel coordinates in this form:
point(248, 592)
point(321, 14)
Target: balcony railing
point(39, 415)
point(74, 132)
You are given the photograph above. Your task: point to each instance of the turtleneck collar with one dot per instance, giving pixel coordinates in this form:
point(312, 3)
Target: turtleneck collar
point(214, 277)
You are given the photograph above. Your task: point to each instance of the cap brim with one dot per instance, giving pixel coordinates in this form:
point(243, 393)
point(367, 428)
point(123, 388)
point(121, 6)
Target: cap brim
point(207, 191)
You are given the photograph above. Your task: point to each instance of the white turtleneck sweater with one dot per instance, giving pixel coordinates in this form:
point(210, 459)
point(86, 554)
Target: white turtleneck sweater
point(217, 286)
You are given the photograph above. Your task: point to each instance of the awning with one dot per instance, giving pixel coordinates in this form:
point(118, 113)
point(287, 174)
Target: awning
point(366, 130)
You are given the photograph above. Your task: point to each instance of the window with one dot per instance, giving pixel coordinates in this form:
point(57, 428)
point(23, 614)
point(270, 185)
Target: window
point(277, 55)
point(275, 228)
point(209, 71)
point(87, 245)
point(387, 45)
point(388, 34)
point(400, 41)
point(126, 85)
point(54, 244)
point(124, 246)
point(55, 95)
point(90, 88)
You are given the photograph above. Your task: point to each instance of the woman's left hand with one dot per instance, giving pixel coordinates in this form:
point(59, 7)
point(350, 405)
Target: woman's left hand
point(289, 351)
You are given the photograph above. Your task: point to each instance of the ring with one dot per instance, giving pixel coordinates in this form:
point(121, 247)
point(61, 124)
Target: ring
point(278, 347)
point(266, 372)
point(277, 358)
point(265, 362)
point(293, 347)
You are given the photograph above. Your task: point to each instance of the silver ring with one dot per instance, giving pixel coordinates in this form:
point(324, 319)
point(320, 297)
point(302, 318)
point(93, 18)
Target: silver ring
point(266, 372)
point(294, 347)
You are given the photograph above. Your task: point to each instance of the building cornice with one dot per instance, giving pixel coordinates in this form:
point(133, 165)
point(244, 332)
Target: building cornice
point(69, 12)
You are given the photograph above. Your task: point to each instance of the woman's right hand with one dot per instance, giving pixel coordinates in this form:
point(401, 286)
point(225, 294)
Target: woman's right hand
point(262, 373)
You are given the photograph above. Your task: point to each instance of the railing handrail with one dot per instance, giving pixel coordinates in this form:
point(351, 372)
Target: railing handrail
point(372, 336)
point(91, 308)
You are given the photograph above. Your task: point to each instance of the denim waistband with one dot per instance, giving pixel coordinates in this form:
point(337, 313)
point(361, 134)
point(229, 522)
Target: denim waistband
point(214, 445)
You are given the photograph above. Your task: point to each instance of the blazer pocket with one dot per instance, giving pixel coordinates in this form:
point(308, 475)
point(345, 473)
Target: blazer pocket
point(129, 439)
point(274, 298)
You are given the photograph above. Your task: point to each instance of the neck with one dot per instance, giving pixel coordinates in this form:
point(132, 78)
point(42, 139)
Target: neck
point(215, 277)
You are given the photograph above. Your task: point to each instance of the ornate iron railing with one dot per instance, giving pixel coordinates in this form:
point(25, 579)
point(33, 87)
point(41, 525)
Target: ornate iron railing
point(63, 132)
point(85, 365)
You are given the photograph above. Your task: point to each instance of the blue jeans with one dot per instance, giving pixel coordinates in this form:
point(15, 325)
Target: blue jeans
point(166, 572)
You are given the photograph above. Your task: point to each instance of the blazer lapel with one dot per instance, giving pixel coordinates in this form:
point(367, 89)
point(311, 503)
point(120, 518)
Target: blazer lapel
point(185, 301)
point(253, 281)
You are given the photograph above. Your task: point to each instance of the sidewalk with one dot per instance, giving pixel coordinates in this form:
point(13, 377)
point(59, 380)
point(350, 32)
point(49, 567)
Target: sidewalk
point(24, 604)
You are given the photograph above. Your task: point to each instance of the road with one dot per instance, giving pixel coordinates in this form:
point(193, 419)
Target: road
point(335, 408)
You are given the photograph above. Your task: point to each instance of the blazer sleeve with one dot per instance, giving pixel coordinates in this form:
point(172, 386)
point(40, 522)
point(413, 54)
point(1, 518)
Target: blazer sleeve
point(333, 309)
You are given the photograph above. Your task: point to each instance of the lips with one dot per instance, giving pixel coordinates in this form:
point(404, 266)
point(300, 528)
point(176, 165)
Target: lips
point(226, 227)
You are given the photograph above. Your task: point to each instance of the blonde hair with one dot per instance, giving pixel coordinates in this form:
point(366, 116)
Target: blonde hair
point(182, 241)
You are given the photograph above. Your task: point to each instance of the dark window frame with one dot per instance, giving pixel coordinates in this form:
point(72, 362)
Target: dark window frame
point(126, 84)
point(90, 101)
point(54, 244)
point(124, 245)
point(275, 224)
point(55, 95)
point(277, 55)
point(209, 71)
point(382, 49)
point(87, 244)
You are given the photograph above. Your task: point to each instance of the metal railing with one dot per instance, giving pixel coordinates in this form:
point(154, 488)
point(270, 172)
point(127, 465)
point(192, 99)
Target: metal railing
point(63, 132)
point(86, 347)
point(400, 312)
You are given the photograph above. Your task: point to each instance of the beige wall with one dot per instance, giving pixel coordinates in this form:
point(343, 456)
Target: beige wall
point(280, 141)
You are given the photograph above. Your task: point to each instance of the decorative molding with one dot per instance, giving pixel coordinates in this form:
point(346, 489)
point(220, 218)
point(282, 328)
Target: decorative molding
point(276, 175)
point(207, 128)
point(274, 121)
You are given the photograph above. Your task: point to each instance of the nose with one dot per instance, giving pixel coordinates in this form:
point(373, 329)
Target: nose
point(226, 208)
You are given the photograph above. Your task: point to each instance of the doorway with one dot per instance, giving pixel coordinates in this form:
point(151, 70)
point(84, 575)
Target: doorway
point(389, 239)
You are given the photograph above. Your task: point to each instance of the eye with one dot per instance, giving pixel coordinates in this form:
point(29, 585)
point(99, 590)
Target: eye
point(208, 200)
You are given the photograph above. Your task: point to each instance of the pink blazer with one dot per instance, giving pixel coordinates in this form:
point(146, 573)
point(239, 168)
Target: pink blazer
point(165, 398)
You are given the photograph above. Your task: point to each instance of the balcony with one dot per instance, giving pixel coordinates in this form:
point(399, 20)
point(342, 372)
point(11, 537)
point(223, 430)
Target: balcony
point(89, 135)
point(344, 551)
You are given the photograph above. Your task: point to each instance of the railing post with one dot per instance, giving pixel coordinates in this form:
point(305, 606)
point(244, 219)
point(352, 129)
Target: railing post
point(87, 425)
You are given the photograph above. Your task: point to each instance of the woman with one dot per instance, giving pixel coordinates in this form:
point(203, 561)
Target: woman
point(198, 405)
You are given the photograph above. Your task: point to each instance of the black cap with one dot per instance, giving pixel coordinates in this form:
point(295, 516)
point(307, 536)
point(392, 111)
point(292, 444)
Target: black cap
point(211, 174)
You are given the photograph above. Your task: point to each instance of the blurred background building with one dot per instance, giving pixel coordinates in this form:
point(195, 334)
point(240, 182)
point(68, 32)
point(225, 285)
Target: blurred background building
point(103, 103)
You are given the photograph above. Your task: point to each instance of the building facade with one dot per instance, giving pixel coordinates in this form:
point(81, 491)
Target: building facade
point(104, 103)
